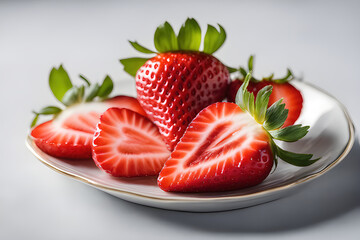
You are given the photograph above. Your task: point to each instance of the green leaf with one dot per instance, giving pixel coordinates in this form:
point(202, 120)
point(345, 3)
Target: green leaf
point(34, 121)
point(165, 39)
point(242, 96)
point(251, 104)
point(275, 116)
point(289, 76)
point(269, 78)
point(49, 110)
point(106, 87)
point(131, 65)
point(85, 80)
point(189, 37)
point(213, 39)
point(140, 48)
point(243, 71)
point(290, 133)
point(71, 96)
point(296, 159)
point(250, 63)
point(59, 82)
point(261, 103)
point(81, 93)
point(231, 70)
point(92, 92)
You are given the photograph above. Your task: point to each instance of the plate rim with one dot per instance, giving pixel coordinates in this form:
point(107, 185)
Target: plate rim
point(342, 155)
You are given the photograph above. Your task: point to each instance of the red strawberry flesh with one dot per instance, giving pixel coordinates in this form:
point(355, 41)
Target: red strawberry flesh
point(70, 134)
point(222, 149)
point(127, 144)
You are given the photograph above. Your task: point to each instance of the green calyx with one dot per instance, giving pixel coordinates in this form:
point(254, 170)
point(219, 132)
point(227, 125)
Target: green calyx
point(166, 40)
point(272, 119)
point(68, 94)
point(243, 72)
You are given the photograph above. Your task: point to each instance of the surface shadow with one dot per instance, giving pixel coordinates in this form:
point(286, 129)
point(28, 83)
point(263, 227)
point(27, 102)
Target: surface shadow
point(330, 196)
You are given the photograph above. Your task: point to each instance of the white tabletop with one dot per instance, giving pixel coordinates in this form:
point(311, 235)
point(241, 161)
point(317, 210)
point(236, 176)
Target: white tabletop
point(319, 40)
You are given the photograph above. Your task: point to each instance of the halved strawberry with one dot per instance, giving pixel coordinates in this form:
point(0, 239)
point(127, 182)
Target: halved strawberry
point(229, 146)
point(57, 141)
point(84, 117)
point(282, 88)
point(69, 134)
point(127, 144)
point(179, 81)
point(223, 149)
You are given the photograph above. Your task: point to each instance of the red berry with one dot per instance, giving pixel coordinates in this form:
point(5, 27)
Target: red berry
point(127, 144)
point(222, 149)
point(291, 96)
point(173, 87)
point(70, 134)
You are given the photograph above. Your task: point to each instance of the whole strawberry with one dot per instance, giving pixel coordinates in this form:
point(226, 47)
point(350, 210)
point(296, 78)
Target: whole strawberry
point(282, 88)
point(179, 81)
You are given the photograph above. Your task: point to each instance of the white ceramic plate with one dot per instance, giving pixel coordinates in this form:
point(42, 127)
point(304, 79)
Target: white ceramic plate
point(331, 137)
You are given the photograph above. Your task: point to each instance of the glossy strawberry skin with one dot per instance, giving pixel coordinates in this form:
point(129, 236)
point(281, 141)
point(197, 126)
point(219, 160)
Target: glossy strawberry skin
point(70, 134)
point(173, 87)
point(127, 144)
point(223, 149)
point(291, 96)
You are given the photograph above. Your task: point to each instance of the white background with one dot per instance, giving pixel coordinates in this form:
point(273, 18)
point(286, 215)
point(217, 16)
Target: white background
point(319, 40)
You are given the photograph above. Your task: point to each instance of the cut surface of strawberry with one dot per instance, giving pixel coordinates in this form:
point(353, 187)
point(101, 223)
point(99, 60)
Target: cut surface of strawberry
point(61, 142)
point(127, 144)
point(230, 146)
point(69, 135)
point(84, 117)
point(179, 81)
point(223, 149)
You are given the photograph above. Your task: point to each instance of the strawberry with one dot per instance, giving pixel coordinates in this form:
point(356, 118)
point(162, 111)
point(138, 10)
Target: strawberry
point(179, 81)
point(231, 146)
point(291, 97)
point(70, 133)
point(282, 88)
point(127, 144)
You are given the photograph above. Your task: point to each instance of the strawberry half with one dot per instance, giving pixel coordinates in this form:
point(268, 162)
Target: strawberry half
point(282, 88)
point(222, 149)
point(127, 144)
point(70, 133)
point(179, 81)
point(229, 146)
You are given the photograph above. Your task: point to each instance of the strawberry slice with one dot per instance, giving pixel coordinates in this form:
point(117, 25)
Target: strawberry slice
point(85, 117)
point(70, 134)
point(230, 146)
point(223, 148)
point(127, 144)
point(57, 141)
